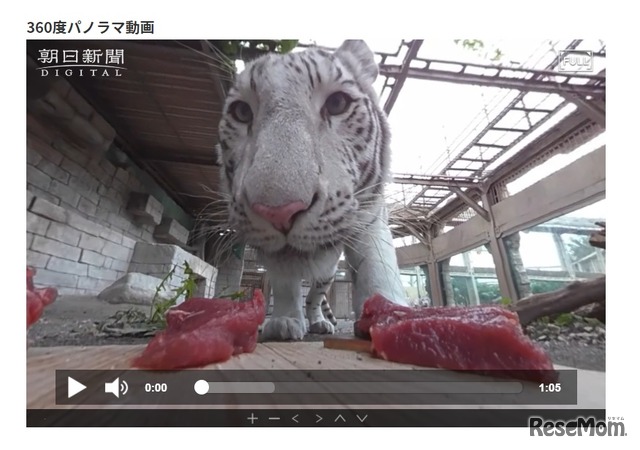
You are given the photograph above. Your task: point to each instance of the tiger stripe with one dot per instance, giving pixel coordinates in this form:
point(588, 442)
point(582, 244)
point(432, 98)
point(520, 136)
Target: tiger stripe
point(317, 70)
point(317, 299)
point(306, 64)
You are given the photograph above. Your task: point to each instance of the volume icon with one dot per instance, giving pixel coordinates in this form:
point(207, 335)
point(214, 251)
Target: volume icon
point(116, 387)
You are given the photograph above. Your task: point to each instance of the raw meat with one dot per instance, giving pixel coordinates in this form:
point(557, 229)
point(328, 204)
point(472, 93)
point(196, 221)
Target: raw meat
point(203, 331)
point(378, 309)
point(37, 299)
point(486, 340)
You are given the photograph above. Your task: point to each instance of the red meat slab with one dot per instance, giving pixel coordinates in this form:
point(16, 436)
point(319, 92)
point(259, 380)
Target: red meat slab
point(378, 309)
point(37, 299)
point(203, 331)
point(482, 339)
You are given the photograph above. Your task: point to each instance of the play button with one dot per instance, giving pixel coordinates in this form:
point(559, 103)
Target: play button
point(73, 387)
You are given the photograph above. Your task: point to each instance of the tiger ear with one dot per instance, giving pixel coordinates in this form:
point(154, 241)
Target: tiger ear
point(360, 59)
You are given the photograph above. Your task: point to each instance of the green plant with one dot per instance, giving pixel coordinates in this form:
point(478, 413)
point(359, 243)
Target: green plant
point(479, 47)
point(187, 287)
point(234, 295)
point(564, 319)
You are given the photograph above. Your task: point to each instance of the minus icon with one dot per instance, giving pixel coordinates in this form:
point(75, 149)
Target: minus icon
point(274, 418)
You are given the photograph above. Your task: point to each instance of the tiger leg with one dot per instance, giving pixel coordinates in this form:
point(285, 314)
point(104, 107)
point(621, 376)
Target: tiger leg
point(375, 266)
point(321, 318)
point(287, 321)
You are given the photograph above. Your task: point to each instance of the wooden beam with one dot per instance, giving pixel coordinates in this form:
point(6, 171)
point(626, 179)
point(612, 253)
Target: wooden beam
point(498, 251)
point(591, 109)
point(477, 208)
point(598, 239)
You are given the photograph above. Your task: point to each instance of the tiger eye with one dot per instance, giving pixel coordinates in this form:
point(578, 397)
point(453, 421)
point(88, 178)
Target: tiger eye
point(337, 103)
point(241, 111)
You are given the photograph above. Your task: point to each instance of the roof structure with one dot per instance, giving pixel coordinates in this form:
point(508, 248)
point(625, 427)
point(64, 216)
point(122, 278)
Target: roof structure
point(544, 111)
point(166, 112)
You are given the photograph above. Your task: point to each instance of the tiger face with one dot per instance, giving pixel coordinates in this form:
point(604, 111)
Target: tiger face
point(304, 147)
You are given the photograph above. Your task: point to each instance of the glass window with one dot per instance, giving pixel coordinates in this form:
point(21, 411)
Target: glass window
point(551, 255)
point(416, 285)
point(540, 251)
point(488, 290)
point(458, 260)
point(469, 278)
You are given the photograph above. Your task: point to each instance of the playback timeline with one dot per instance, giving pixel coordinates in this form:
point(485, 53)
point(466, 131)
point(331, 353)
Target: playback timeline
point(319, 387)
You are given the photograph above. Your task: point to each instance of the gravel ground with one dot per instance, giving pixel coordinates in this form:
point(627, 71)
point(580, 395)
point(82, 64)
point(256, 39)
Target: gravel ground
point(76, 320)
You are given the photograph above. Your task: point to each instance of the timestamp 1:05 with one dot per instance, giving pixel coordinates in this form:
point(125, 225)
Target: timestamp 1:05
point(550, 387)
point(155, 387)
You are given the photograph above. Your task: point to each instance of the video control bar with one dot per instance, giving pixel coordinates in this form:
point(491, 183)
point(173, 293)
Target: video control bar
point(320, 387)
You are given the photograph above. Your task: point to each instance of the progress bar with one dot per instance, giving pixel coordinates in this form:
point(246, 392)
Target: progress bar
point(317, 387)
point(202, 387)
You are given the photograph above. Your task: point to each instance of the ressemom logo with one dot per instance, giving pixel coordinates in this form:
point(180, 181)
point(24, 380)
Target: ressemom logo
point(581, 426)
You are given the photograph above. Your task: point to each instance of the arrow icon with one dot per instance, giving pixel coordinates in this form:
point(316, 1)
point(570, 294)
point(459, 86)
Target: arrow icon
point(73, 387)
point(294, 418)
point(319, 418)
point(340, 417)
point(363, 418)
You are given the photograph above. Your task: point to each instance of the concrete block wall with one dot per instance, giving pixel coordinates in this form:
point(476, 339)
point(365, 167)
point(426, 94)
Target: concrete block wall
point(76, 255)
point(80, 237)
point(159, 259)
point(82, 181)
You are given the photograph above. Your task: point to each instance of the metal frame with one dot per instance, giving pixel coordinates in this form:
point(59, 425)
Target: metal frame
point(401, 77)
point(419, 215)
point(493, 125)
point(525, 80)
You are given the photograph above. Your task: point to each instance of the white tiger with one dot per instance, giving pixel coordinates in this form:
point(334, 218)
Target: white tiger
point(305, 152)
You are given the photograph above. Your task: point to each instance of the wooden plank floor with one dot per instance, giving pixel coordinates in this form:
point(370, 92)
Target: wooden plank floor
point(42, 362)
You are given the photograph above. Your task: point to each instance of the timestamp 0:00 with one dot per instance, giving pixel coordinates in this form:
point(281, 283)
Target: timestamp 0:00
point(155, 387)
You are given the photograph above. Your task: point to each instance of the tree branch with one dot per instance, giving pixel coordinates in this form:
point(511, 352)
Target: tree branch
point(563, 300)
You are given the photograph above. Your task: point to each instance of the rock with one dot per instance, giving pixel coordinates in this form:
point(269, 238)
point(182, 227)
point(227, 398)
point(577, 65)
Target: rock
point(133, 288)
point(553, 328)
point(543, 337)
point(588, 329)
point(584, 336)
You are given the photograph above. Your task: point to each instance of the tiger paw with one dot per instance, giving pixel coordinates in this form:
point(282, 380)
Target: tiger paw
point(322, 327)
point(283, 329)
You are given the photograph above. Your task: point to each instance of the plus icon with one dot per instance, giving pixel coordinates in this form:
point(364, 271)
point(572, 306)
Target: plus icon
point(252, 418)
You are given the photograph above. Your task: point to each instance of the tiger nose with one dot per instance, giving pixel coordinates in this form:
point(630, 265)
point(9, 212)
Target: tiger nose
point(281, 217)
